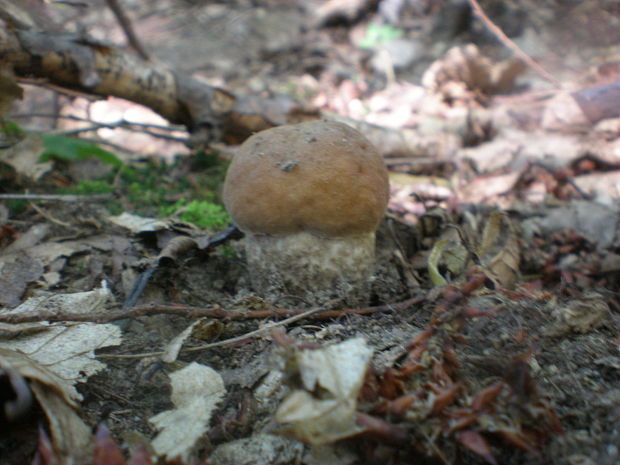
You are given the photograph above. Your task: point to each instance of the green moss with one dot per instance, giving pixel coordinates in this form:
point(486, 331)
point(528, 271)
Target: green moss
point(11, 131)
point(202, 213)
point(378, 34)
point(17, 207)
point(88, 186)
point(163, 190)
point(186, 188)
point(227, 251)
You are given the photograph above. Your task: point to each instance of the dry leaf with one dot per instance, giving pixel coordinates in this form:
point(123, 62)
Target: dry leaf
point(259, 449)
point(499, 249)
point(582, 315)
point(23, 157)
point(70, 435)
point(196, 391)
point(9, 90)
point(68, 351)
point(463, 71)
point(171, 352)
point(336, 373)
point(139, 224)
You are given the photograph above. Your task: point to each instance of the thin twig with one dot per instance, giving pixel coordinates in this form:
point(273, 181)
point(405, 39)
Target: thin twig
point(57, 197)
point(225, 342)
point(120, 122)
point(125, 24)
point(73, 132)
point(44, 82)
point(49, 217)
point(313, 312)
point(107, 143)
point(510, 44)
point(76, 131)
point(143, 128)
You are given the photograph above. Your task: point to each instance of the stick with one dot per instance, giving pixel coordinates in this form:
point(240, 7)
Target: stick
point(200, 312)
point(57, 197)
point(510, 44)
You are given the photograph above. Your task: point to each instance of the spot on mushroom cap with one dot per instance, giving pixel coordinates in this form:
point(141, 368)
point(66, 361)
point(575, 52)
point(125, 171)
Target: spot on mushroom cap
point(322, 177)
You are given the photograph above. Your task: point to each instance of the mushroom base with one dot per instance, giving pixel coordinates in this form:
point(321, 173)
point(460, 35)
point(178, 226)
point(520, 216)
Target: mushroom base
point(305, 269)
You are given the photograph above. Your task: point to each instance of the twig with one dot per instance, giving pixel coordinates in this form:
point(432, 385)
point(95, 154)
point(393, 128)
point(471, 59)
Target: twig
point(57, 197)
point(232, 340)
point(44, 82)
point(199, 312)
point(49, 217)
point(510, 44)
point(125, 24)
point(120, 122)
point(143, 128)
point(107, 143)
point(97, 126)
point(193, 312)
point(313, 312)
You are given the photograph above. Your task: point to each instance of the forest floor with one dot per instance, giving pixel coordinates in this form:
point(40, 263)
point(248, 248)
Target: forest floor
point(493, 331)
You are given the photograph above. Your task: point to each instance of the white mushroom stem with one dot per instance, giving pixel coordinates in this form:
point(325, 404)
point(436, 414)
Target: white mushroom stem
point(312, 268)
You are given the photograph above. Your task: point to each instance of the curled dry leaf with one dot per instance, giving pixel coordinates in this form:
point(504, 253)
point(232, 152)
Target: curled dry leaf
point(57, 398)
point(499, 249)
point(196, 391)
point(171, 352)
point(582, 315)
point(463, 71)
point(496, 248)
point(322, 409)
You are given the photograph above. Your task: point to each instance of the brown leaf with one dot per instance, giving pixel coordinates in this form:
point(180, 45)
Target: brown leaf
point(381, 429)
point(106, 450)
point(519, 439)
point(445, 397)
point(45, 455)
point(140, 456)
point(477, 444)
point(487, 395)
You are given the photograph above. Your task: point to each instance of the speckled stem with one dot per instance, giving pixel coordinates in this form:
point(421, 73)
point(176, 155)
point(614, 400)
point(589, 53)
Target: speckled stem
point(306, 269)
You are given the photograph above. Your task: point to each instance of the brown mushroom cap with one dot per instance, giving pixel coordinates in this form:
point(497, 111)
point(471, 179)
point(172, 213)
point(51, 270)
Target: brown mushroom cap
point(323, 177)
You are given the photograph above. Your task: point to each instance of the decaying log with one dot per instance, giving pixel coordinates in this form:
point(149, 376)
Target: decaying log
point(32, 46)
point(86, 65)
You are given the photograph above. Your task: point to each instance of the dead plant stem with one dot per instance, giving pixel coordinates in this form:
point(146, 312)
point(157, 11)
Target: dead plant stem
point(496, 30)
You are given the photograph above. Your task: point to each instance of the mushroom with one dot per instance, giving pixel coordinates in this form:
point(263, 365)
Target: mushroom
point(309, 198)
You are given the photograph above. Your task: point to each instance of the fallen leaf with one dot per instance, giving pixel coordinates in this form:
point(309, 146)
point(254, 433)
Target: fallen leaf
point(68, 351)
point(57, 397)
point(477, 444)
point(322, 410)
point(23, 157)
point(196, 391)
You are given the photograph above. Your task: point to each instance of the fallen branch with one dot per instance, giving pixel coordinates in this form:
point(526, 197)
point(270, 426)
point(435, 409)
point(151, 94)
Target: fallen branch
point(199, 312)
point(82, 64)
